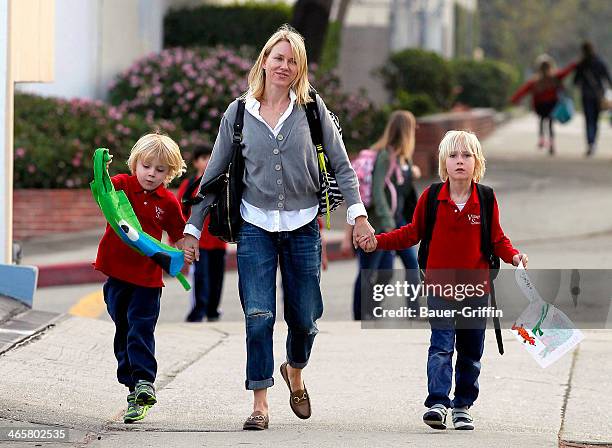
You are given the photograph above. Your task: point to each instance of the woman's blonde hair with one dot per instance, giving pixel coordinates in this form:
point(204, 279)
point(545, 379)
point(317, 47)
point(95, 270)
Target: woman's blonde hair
point(399, 135)
point(257, 75)
point(161, 147)
point(454, 141)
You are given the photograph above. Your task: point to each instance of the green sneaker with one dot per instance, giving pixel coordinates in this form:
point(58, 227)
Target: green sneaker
point(134, 411)
point(145, 393)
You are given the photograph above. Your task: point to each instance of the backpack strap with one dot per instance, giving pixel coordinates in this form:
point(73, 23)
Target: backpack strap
point(239, 122)
point(487, 200)
point(314, 121)
point(313, 116)
point(236, 141)
point(430, 220)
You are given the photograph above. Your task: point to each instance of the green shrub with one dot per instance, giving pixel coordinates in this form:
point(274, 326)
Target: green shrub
point(55, 139)
point(233, 25)
point(419, 72)
point(418, 103)
point(486, 83)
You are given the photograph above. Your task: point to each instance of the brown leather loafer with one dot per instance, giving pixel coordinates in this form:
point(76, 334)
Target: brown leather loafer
point(299, 399)
point(257, 421)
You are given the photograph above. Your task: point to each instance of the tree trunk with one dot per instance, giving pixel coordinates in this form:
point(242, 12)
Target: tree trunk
point(310, 18)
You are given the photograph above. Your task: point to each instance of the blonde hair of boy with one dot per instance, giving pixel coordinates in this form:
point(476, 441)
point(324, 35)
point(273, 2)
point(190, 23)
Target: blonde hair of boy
point(257, 75)
point(455, 141)
point(161, 147)
point(399, 135)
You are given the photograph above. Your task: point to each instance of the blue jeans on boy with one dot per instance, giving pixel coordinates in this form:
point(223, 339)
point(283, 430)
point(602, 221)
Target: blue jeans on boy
point(134, 310)
point(371, 262)
point(208, 275)
point(467, 336)
point(259, 253)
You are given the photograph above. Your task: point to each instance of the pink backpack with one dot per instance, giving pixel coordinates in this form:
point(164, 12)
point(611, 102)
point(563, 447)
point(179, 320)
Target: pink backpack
point(363, 165)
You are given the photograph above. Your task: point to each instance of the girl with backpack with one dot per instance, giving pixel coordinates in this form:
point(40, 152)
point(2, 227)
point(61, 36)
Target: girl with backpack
point(386, 172)
point(544, 87)
point(454, 247)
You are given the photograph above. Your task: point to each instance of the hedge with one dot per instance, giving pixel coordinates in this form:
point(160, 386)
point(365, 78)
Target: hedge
point(233, 25)
point(486, 83)
point(419, 71)
point(55, 139)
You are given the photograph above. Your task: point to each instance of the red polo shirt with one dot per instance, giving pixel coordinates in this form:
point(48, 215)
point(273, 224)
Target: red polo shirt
point(157, 211)
point(207, 241)
point(455, 241)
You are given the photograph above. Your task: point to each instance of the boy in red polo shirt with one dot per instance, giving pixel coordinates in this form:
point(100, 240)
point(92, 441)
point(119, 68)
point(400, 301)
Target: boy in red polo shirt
point(209, 270)
point(133, 289)
point(455, 244)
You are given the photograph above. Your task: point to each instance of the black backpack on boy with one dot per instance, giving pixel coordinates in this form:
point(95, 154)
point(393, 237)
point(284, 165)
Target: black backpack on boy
point(486, 198)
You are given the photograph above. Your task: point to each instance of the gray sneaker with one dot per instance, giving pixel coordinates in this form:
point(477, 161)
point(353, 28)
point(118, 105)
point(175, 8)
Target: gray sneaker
point(462, 419)
point(145, 393)
point(435, 416)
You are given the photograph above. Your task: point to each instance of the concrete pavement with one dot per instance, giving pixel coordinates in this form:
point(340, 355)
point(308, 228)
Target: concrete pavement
point(367, 386)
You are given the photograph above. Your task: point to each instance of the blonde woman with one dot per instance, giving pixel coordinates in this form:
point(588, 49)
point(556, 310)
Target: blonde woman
point(279, 208)
point(455, 245)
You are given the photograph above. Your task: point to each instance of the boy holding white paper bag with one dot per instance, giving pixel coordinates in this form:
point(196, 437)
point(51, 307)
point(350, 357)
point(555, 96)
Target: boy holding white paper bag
point(454, 244)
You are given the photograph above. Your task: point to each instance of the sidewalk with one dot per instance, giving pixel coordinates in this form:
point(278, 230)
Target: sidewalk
point(377, 402)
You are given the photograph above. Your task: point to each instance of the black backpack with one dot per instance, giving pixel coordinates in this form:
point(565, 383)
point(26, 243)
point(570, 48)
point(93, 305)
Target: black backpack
point(486, 198)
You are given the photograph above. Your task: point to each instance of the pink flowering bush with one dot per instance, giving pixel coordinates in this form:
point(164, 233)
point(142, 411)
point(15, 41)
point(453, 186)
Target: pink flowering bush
point(193, 87)
point(55, 139)
point(190, 87)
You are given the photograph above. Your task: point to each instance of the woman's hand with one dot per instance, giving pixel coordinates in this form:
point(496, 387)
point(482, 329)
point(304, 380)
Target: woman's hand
point(362, 228)
point(416, 172)
point(191, 248)
point(518, 258)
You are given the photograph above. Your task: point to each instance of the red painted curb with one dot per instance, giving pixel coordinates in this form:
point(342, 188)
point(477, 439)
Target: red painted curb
point(79, 273)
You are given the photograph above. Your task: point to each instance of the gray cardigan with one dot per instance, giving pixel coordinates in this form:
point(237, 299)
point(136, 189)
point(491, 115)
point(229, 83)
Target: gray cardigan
point(281, 173)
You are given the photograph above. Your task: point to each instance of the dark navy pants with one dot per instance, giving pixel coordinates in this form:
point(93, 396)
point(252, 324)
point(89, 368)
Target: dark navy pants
point(135, 310)
point(208, 275)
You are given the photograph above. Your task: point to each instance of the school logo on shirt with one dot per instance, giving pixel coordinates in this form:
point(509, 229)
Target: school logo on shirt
point(158, 212)
point(474, 219)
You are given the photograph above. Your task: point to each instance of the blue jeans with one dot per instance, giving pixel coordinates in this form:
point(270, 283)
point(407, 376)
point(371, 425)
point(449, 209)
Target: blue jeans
point(372, 262)
point(259, 253)
point(208, 275)
point(134, 310)
point(467, 336)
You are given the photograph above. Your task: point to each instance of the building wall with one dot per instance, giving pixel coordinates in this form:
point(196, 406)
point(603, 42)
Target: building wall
point(96, 39)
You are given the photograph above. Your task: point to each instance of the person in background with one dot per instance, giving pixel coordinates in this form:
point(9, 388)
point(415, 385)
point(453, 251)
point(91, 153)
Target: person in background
point(393, 201)
point(591, 76)
point(209, 270)
point(544, 88)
